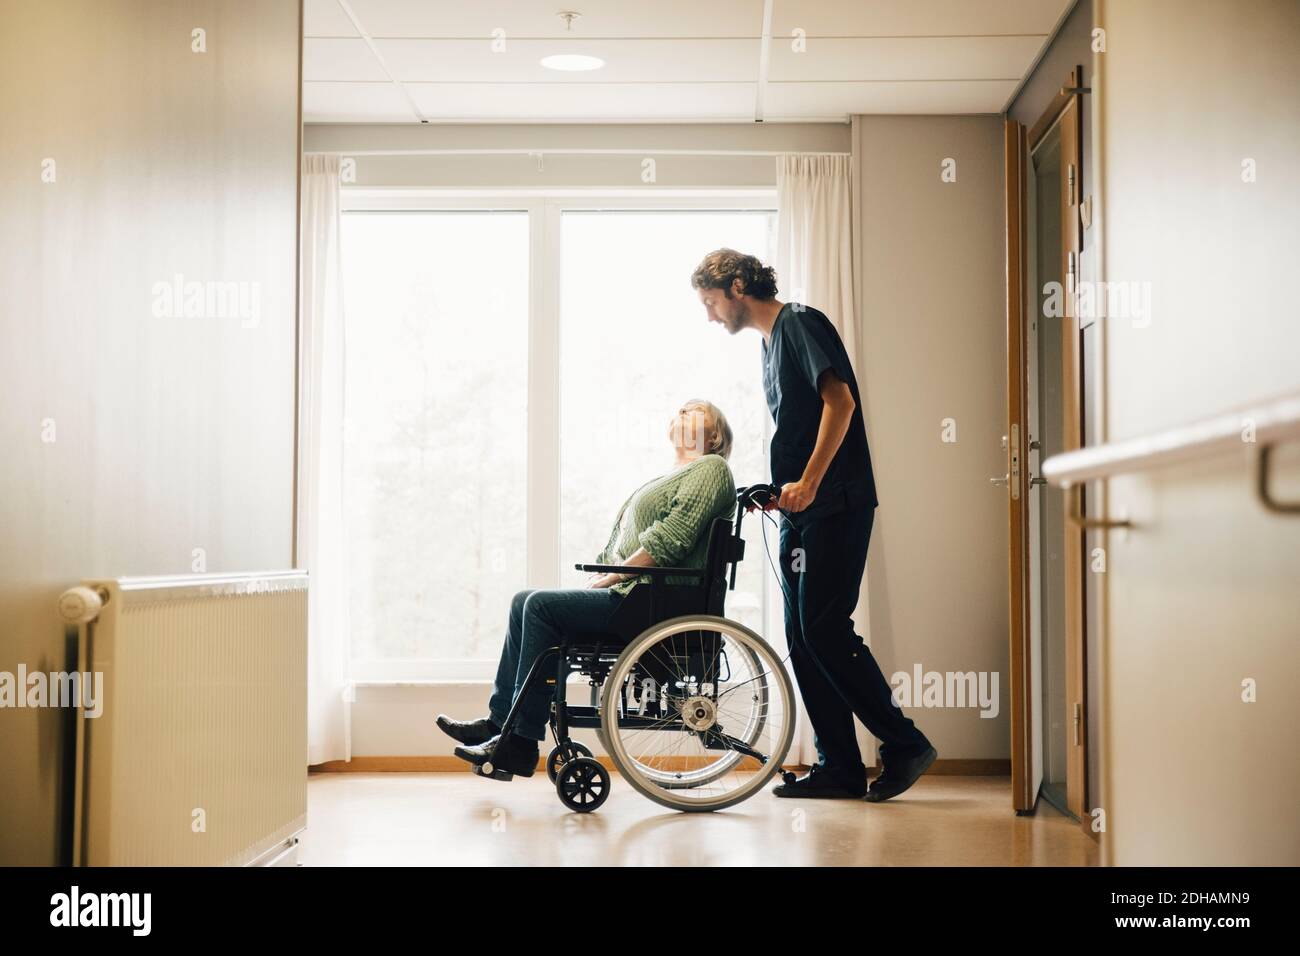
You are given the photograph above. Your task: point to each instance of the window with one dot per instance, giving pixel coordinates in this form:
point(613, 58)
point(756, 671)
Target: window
point(634, 345)
point(435, 440)
point(465, 481)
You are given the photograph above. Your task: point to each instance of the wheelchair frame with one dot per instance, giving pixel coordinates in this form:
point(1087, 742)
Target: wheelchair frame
point(582, 782)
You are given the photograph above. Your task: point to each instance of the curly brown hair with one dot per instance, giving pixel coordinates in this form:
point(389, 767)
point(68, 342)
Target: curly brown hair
point(720, 267)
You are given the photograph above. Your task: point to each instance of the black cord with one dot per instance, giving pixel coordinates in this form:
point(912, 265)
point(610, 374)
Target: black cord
point(787, 776)
point(780, 578)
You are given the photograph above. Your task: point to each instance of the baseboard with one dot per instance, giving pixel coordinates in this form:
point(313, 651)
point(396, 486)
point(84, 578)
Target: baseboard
point(434, 764)
point(957, 766)
point(965, 767)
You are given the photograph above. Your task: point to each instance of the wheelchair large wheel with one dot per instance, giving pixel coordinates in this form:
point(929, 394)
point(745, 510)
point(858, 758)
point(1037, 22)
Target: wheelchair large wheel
point(698, 713)
point(747, 733)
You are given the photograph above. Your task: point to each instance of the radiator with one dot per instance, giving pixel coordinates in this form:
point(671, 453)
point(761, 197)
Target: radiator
point(199, 754)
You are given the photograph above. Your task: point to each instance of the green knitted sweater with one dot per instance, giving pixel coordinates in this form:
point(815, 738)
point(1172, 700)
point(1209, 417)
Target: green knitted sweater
point(670, 516)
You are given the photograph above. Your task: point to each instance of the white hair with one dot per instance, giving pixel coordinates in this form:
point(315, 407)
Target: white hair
point(721, 442)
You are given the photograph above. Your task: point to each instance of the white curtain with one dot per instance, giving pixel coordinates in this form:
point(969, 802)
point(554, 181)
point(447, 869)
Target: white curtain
point(814, 241)
point(814, 266)
point(321, 542)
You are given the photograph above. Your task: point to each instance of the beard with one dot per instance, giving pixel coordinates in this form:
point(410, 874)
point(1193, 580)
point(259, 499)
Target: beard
point(738, 319)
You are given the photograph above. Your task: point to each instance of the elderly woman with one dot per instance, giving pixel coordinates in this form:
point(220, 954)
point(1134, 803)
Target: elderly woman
point(664, 523)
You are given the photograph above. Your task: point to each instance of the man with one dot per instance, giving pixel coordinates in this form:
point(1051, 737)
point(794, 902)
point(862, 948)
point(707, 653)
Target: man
point(821, 463)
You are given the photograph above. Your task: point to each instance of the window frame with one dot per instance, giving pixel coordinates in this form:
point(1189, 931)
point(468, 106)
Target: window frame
point(544, 207)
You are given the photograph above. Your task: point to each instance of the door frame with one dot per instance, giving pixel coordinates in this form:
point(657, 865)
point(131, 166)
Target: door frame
point(1070, 123)
point(1015, 152)
point(1018, 146)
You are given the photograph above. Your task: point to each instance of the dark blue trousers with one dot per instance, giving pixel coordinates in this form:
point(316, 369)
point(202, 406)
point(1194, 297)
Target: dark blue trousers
point(822, 561)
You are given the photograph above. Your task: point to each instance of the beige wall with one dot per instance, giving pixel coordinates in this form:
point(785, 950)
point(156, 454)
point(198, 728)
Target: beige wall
point(1203, 595)
point(932, 307)
point(612, 171)
point(169, 434)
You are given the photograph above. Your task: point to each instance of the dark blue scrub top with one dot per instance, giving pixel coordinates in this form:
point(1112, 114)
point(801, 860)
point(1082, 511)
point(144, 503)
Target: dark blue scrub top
point(803, 345)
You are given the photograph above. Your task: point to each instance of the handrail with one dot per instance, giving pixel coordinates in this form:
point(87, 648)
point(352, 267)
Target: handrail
point(1259, 427)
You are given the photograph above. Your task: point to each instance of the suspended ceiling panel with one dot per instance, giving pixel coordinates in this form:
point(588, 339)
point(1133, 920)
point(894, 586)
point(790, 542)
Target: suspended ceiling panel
point(442, 61)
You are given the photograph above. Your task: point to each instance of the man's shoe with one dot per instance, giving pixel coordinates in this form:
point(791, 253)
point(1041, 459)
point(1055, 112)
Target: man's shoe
point(817, 784)
point(501, 760)
point(468, 731)
point(900, 775)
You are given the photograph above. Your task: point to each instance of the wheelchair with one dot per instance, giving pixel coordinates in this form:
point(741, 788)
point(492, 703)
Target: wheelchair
point(696, 711)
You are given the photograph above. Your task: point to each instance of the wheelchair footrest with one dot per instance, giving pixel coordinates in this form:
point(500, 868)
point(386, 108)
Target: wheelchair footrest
point(495, 774)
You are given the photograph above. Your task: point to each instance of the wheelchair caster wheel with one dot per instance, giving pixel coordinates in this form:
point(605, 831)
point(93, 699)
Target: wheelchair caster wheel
point(583, 784)
point(788, 778)
point(561, 755)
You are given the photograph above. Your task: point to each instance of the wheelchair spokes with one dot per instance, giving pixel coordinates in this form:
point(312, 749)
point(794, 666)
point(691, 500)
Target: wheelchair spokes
point(698, 713)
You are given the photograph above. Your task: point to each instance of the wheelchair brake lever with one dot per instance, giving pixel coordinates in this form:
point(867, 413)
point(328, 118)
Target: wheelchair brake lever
point(758, 497)
point(735, 565)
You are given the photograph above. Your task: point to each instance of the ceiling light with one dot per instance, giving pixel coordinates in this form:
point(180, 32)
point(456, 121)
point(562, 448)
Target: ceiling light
point(572, 62)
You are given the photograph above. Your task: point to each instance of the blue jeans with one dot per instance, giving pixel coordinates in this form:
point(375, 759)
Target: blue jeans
point(538, 620)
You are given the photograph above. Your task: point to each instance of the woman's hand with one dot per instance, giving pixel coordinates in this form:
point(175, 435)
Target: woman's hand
point(640, 558)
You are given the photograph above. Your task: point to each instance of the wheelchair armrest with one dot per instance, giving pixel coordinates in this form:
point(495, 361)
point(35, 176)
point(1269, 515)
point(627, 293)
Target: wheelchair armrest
point(629, 569)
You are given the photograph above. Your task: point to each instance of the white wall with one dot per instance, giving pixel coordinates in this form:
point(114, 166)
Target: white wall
point(933, 346)
point(169, 434)
point(1202, 595)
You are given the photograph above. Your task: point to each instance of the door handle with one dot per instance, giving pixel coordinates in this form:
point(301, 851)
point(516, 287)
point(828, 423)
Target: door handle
point(1000, 481)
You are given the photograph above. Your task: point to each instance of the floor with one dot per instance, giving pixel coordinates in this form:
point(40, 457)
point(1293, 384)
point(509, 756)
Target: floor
point(421, 819)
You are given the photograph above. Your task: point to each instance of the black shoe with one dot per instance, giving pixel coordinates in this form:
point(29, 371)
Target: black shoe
point(468, 731)
point(514, 757)
point(900, 775)
point(818, 784)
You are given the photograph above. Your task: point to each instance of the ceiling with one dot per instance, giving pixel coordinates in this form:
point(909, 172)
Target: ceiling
point(394, 61)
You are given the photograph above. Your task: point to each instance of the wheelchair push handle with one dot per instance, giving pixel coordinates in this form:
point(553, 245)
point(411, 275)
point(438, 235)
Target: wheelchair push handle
point(758, 496)
point(764, 497)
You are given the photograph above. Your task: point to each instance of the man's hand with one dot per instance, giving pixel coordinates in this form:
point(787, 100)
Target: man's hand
point(797, 495)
